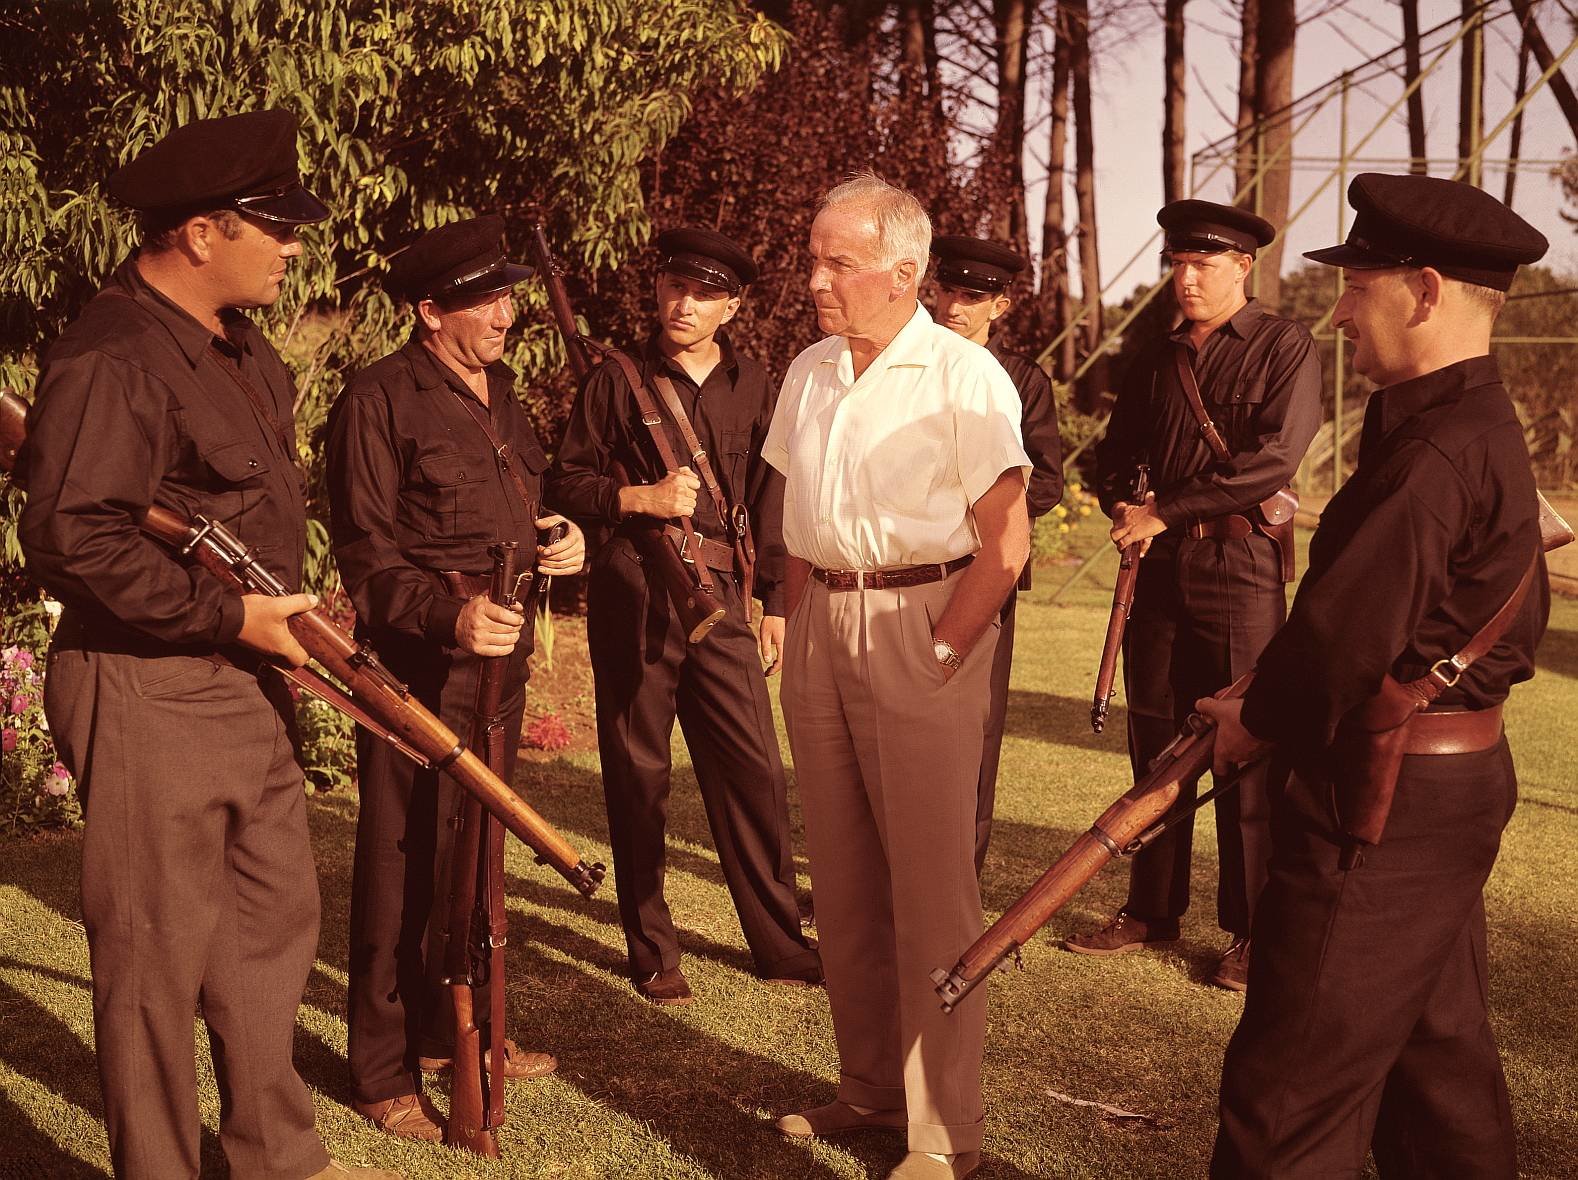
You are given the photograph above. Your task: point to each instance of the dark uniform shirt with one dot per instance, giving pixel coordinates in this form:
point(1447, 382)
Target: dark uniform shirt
point(730, 412)
point(1414, 555)
point(139, 404)
point(415, 487)
point(1038, 427)
point(1260, 380)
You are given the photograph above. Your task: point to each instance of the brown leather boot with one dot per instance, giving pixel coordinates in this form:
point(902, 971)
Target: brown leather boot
point(410, 1116)
point(1123, 934)
point(664, 987)
point(518, 1062)
point(1233, 971)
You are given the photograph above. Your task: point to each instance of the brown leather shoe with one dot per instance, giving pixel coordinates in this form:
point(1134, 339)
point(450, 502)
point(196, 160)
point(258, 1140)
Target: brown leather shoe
point(1233, 971)
point(664, 987)
point(917, 1165)
point(338, 1171)
point(518, 1062)
point(837, 1118)
point(1123, 934)
point(410, 1116)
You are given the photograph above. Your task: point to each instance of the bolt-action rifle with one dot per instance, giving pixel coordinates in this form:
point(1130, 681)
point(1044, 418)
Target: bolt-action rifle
point(1122, 604)
point(370, 695)
point(695, 605)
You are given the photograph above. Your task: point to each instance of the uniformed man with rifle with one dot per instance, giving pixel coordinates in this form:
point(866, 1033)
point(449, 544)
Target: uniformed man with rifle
point(1221, 409)
point(164, 399)
point(1366, 1027)
point(666, 442)
point(432, 461)
point(972, 281)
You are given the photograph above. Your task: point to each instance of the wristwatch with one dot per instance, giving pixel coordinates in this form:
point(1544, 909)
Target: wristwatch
point(946, 655)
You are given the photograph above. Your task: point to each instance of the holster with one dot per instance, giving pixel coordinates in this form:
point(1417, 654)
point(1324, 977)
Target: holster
point(1366, 758)
point(1273, 519)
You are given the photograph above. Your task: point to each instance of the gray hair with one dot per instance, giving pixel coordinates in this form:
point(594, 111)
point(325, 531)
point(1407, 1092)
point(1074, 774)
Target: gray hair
point(1487, 299)
point(903, 228)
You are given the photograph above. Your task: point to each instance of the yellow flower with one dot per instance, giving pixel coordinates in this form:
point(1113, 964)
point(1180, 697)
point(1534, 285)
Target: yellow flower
point(1059, 510)
point(1084, 509)
point(1062, 528)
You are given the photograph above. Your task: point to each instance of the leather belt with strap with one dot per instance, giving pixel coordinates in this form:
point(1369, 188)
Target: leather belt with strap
point(715, 554)
point(1231, 527)
point(1454, 731)
point(914, 575)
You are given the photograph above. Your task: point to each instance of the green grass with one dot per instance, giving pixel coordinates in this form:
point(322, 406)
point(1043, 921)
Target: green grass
point(645, 1092)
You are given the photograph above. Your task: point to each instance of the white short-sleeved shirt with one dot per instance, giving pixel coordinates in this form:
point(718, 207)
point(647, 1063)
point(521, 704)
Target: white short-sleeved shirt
point(881, 471)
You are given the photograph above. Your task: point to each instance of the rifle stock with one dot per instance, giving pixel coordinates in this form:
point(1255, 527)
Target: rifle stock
point(1138, 809)
point(369, 684)
point(1122, 604)
point(697, 610)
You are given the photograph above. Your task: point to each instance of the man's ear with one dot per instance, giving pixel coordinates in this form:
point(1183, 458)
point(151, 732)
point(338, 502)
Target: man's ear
point(729, 309)
point(1000, 306)
point(197, 239)
point(1432, 286)
point(905, 274)
point(427, 313)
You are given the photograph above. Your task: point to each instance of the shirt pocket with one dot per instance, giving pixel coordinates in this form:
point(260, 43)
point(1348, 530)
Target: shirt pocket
point(904, 468)
point(237, 478)
point(1247, 389)
point(446, 497)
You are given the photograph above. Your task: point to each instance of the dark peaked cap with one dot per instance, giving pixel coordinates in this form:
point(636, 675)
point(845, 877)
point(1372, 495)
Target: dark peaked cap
point(243, 162)
point(1461, 231)
point(1204, 227)
point(706, 256)
point(461, 258)
point(975, 264)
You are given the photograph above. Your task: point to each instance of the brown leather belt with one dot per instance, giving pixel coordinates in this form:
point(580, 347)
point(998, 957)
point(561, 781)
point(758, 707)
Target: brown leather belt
point(1454, 731)
point(914, 575)
point(715, 554)
point(1231, 527)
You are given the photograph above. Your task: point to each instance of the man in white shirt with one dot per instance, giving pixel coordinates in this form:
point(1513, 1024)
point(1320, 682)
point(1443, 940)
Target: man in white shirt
point(905, 522)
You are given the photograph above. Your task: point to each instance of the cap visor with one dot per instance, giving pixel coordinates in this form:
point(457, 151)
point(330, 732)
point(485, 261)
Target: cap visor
point(1352, 257)
point(295, 207)
point(701, 274)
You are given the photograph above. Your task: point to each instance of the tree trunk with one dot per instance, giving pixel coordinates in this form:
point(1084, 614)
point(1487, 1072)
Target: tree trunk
point(1095, 382)
point(1011, 24)
point(1561, 89)
point(1274, 97)
point(1248, 87)
point(1417, 149)
point(1174, 159)
point(1519, 89)
point(918, 70)
point(1470, 113)
point(1055, 305)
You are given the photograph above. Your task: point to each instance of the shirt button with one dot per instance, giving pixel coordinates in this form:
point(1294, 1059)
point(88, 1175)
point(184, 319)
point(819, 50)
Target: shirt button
point(252, 462)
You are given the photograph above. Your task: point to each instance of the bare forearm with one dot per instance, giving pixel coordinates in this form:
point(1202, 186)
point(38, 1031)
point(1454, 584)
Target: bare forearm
point(1004, 528)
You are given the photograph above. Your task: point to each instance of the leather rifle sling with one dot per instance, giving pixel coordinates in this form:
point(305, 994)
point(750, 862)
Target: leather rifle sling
point(745, 549)
point(652, 419)
point(1208, 431)
point(502, 451)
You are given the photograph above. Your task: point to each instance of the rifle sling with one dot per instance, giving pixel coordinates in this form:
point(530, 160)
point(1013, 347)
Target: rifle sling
point(502, 451)
point(1191, 388)
point(652, 419)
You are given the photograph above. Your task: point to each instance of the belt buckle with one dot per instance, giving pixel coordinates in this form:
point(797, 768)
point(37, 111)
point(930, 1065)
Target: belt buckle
point(685, 543)
point(1457, 672)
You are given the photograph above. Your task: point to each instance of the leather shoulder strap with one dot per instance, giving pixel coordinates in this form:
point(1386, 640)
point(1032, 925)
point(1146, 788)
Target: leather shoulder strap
point(698, 453)
point(651, 416)
point(502, 451)
point(1433, 683)
point(1191, 388)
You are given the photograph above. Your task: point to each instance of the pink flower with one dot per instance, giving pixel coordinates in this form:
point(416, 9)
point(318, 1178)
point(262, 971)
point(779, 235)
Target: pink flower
point(7, 740)
point(24, 659)
point(18, 702)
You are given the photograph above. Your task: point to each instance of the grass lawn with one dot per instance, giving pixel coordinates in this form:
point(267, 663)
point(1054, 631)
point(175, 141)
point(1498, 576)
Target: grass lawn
point(648, 1092)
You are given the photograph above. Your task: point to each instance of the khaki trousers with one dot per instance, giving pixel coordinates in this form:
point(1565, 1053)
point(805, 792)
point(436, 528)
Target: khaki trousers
point(888, 756)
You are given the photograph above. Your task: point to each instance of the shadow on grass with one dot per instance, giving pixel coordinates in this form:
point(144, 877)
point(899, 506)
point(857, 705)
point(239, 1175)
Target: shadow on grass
point(1063, 721)
point(26, 1152)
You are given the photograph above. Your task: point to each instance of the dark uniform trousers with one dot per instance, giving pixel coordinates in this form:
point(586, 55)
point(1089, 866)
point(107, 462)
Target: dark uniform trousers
point(646, 675)
point(1203, 612)
point(198, 888)
point(1365, 1025)
point(398, 1009)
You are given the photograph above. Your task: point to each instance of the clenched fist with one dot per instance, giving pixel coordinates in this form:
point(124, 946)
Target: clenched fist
point(673, 495)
